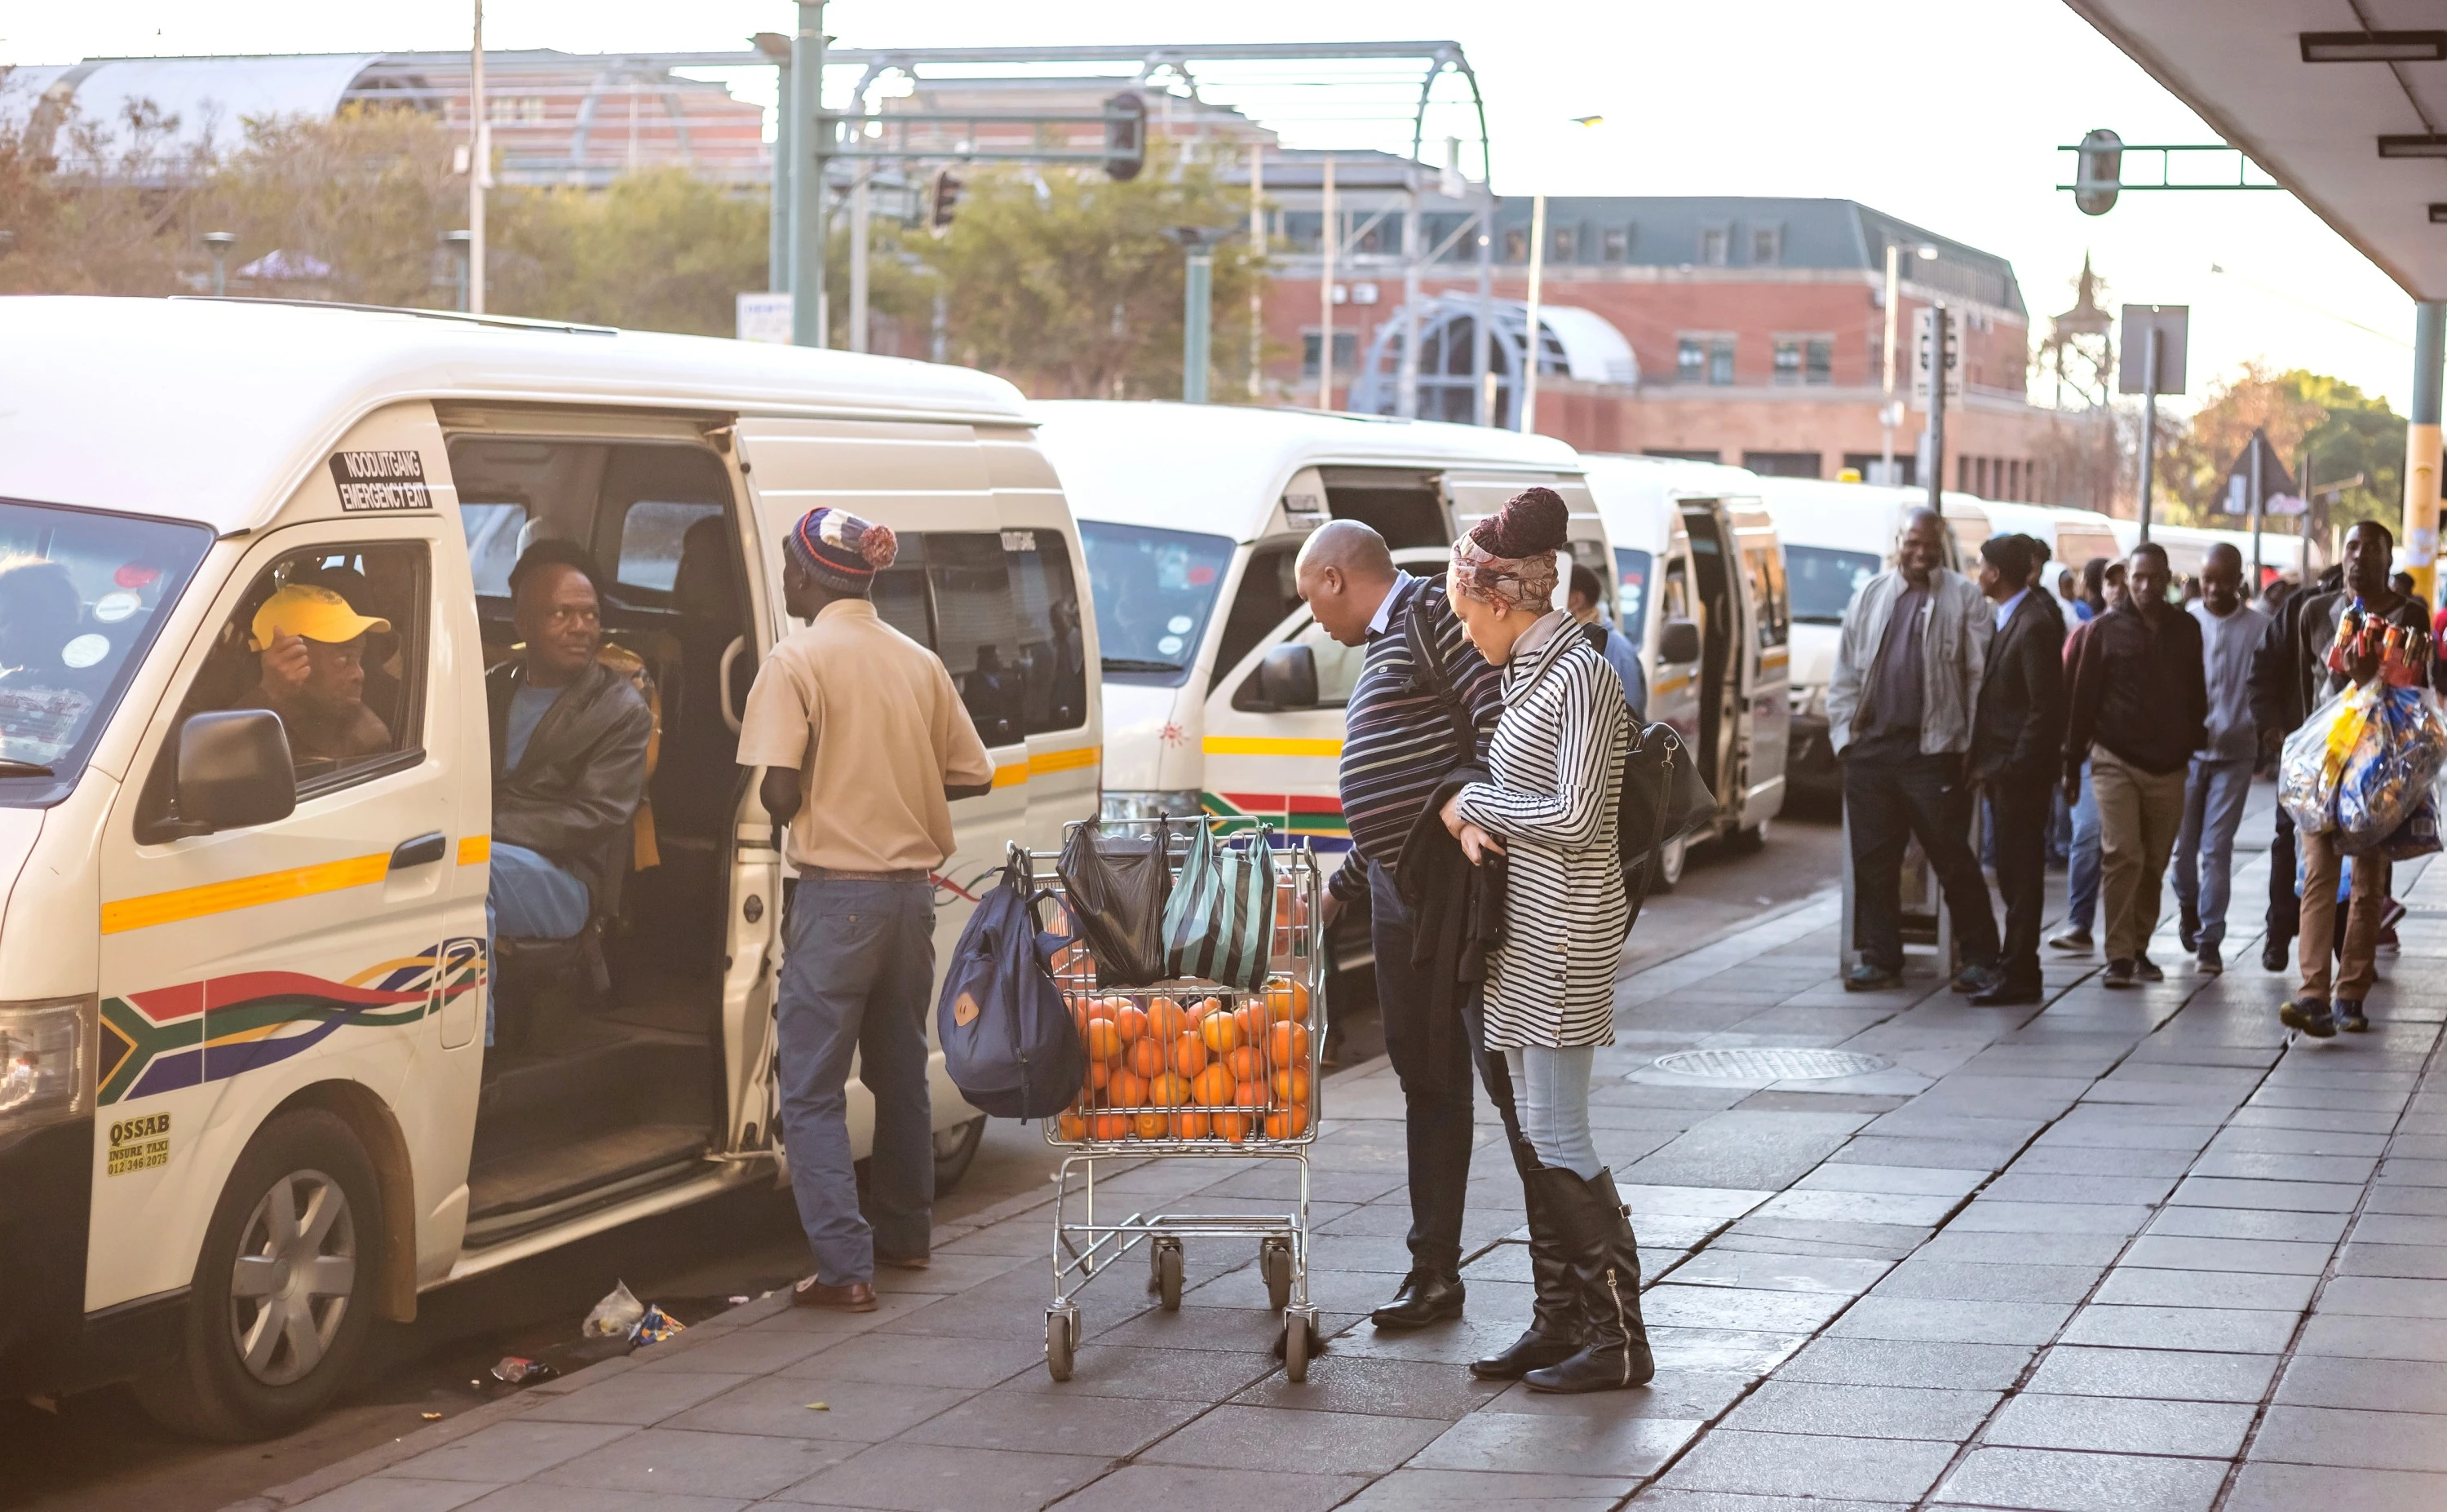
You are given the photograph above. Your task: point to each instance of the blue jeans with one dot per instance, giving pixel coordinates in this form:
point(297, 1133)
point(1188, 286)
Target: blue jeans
point(2213, 799)
point(532, 898)
point(2082, 864)
point(857, 966)
point(1553, 1087)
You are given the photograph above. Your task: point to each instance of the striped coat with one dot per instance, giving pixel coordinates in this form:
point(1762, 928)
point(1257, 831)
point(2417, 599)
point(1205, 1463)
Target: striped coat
point(1557, 767)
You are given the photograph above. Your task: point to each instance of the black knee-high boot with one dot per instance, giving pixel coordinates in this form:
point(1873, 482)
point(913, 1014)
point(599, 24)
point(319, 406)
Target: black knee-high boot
point(1555, 1333)
point(1606, 1272)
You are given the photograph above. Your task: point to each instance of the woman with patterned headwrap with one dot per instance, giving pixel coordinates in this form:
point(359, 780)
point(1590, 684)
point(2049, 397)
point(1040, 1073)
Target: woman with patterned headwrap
point(1555, 766)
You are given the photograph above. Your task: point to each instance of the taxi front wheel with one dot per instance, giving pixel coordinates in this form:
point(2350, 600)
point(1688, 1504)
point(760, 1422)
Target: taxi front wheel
point(283, 1289)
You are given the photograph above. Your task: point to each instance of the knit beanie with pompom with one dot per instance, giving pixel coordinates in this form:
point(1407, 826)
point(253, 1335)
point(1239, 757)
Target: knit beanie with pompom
point(841, 551)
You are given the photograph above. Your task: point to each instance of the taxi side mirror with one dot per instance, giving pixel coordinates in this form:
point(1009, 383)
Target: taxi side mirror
point(1678, 642)
point(235, 771)
point(1288, 678)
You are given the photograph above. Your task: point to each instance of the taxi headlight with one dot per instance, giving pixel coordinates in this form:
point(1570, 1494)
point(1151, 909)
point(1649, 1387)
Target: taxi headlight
point(46, 1061)
point(1157, 802)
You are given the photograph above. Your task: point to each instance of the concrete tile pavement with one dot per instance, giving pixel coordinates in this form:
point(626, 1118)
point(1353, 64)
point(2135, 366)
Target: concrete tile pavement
point(2127, 1249)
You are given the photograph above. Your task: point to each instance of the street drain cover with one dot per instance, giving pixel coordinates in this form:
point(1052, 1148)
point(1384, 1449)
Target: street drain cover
point(1752, 1063)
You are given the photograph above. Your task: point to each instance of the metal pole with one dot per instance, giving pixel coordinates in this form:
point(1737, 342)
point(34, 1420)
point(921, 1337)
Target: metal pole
point(1195, 325)
point(1406, 397)
point(1530, 345)
point(777, 242)
point(479, 164)
point(2258, 446)
point(2149, 424)
point(1482, 366)
point(1257, 284)
point(1325, 296)
point(858, 255)
point(1887, 412)
point(811, 143)
point(2421, 447)
point(1937, 324)
point(939, 341)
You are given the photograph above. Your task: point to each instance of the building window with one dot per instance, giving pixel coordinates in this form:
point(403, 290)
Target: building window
point(1680, 455)
point(1782, 464)
point(1704, 359)
point(1346, 353)
point(1800, 360)
point(1767, 245)
point(1786, 362)
point(1516, 244)
point(1564, 244)
point(1618, 243)
point(1716, 245)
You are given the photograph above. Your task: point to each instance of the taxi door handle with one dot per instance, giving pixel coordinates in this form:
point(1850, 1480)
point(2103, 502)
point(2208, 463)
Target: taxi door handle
point(421, 851)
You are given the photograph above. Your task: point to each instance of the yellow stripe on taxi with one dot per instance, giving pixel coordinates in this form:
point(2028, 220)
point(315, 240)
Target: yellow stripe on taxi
point(1269, 746)
point(242, 892)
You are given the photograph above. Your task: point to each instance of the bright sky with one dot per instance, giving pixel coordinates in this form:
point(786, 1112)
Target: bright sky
point(1935, 110)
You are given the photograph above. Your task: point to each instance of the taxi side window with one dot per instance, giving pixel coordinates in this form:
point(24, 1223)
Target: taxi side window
point(332, 639)
point(1052, 651)
point(1268, 595)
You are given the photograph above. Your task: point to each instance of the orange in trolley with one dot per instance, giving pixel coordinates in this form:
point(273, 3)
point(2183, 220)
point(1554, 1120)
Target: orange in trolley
point(1166, 1020)
point(1234, 1127)
point(1102, 1007)
point(1153, 1125)
point(1222, 1033)
point(1099, 1072)
point(1247, 1064)
point(1189, 1055)
point(1287, 1000)
point(1130, 1021)
point(1287, 1123)
point(1289, 1043)
point(1147, 1057)
point(1213, 1088)
point(1291, 1083)
point(1192, 1125)
point(1249, 1094)
point(1128, 1089)
point(1072, 1124)
point(1104, 1041)
point(1168, 1090)
point(1110, 1126)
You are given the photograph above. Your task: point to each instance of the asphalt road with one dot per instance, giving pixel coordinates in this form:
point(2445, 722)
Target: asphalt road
point(99, 1454)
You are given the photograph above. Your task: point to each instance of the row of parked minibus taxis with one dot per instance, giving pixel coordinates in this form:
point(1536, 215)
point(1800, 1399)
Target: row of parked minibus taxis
point(248, 1106)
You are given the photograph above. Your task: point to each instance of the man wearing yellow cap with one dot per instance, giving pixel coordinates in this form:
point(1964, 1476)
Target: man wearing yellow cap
point(314, 657)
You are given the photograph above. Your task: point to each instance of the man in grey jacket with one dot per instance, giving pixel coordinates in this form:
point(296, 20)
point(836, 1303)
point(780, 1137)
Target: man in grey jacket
point(2220, 781)
point(1898, 712)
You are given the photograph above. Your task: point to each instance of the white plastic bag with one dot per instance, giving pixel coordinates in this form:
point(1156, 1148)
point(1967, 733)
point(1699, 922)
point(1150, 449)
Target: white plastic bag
point(615, 1315)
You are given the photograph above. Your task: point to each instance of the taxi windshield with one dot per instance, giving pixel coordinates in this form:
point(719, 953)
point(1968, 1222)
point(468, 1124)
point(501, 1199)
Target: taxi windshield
point(1154, 589)
point(81, 593)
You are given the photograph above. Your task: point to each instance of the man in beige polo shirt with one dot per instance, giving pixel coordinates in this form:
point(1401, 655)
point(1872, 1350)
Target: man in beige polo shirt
point(865, 743)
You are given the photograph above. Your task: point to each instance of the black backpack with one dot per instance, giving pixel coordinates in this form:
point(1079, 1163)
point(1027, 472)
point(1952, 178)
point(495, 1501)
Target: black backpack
point(1662, 797)
point(1009, 1043)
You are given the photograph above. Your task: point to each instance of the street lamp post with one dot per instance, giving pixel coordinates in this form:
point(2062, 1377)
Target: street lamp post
point(811, 146)
point(459, 241)
point(1937, 315)
point(1197, 311)
point(220, 242)
point(480, 166)
point(1530, 344)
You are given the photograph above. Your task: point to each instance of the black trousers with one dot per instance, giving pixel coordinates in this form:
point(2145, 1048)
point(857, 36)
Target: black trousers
point(2285, 906)
point(1894, 793)
point(2020, 806)
point(1436, 1096)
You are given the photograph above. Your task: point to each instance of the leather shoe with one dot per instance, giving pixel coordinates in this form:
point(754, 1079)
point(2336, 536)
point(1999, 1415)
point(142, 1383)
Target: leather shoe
point(2006, 995)
point(1426, 1297)
point(2272, 954)
point(857, 1296)
point(1868, 978)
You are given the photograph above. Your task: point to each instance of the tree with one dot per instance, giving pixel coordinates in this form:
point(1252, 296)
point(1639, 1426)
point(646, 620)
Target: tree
point(92, 207)
point(365, 193)
point(1072, 286)
point(2319, 424)
point(659, 250)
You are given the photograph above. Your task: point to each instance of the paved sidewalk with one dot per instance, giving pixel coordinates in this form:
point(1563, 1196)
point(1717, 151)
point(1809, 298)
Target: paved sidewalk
point(2127, 1251)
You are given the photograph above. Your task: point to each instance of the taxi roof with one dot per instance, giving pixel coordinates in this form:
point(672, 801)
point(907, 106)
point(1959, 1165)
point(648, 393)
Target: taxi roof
point(1222, 467)
point(1632, 491)
point(214, 410)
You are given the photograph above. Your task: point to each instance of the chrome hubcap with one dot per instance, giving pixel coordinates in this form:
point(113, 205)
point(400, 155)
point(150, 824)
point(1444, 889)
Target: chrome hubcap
point(297, 1267)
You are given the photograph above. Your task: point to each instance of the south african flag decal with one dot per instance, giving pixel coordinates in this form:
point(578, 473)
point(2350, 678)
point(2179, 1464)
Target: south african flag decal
point(169, 1037)
point(1304, 816)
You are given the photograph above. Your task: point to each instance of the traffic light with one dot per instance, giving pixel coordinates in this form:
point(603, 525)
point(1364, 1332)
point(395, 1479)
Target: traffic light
point(942, 199)
point(2099, 173)
point(1125, 136)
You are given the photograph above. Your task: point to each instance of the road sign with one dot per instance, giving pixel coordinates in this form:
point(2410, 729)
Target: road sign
point(2173, 324)
point(764, 317)
point(1922, 321)
point(2276, 483)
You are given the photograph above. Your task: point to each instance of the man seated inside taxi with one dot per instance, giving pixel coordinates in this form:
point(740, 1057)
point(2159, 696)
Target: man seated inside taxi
point(569, 753)
point(312, 659)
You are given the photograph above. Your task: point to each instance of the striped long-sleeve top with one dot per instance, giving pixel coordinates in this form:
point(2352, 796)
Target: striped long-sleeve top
point(1398, 743)
point(1556, 765)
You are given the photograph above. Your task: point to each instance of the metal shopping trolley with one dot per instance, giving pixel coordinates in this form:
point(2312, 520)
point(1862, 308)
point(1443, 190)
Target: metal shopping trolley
point(1189, 1070)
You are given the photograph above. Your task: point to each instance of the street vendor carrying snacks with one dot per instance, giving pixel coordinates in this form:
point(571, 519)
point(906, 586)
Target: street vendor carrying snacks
point(2365, 631)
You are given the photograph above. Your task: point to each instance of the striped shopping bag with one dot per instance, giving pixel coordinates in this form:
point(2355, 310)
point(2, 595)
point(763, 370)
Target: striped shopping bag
point(1218, 924)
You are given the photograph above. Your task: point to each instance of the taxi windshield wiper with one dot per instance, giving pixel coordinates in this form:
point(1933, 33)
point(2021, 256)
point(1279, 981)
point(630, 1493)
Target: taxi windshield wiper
point(15, 768)
point(1136, 664)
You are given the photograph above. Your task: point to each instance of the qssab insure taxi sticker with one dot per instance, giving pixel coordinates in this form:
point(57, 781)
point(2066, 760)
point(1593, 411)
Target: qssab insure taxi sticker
point(139, 1144)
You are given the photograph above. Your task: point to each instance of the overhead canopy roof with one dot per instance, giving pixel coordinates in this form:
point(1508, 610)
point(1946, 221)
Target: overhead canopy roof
point(2314, 126)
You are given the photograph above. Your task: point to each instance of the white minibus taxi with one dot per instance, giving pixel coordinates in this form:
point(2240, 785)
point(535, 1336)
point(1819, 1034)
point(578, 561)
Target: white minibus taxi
point(2073, 535)
point(1702, 593)
point(2282, 555)
point(1221, 694)
point(253, 1095)
point(1836, 537)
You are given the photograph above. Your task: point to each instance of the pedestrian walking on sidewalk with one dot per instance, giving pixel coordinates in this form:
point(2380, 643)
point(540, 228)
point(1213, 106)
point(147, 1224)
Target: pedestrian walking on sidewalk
point(2103, 588)
point(2220, 781)
point(1404, 732)
point(1898, 712)
point(2138, 702)
point(864, 740)
point(2015, 741)
point(2370, 548)
point(1548, 806)
point(2282, 684)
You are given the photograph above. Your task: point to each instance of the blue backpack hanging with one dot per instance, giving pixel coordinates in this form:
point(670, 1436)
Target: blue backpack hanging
point(1009, 1043)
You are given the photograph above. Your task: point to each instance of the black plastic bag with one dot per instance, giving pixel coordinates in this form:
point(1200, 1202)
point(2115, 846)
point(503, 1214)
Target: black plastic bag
point(1116, 886)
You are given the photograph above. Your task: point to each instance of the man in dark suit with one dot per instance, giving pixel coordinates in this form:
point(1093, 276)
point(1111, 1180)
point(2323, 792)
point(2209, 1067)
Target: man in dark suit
point(2016, 735)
